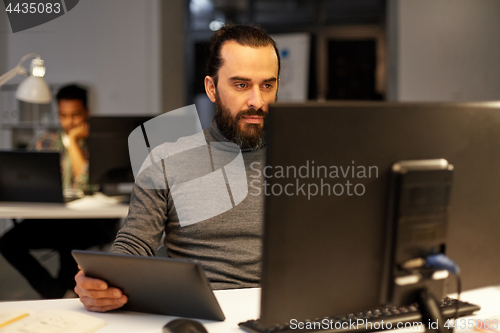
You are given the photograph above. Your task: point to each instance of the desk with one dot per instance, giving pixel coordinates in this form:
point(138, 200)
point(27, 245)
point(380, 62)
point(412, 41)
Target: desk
point(238, 305)
point(89, 207)
point(97, 206)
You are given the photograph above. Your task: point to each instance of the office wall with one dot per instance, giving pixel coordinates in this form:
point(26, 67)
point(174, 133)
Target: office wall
point(444, 50)
point(4, 30)
point(113, 46)
point(173, 76)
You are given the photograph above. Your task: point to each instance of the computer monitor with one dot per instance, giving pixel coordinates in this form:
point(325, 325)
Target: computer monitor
point(327, 192)
point(109, 160)
point(30, 176)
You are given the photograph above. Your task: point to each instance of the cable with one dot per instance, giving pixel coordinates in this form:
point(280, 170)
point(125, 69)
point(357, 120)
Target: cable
point(440, 261)
point(459, 290)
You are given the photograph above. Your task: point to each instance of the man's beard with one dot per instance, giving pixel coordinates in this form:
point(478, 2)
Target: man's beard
point(250, 136)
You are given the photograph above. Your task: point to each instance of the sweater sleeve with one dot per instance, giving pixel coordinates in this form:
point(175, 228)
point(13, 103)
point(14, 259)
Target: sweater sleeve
point(145, 223)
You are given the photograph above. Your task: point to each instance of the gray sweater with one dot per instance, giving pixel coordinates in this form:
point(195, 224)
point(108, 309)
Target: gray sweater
point(228, 245)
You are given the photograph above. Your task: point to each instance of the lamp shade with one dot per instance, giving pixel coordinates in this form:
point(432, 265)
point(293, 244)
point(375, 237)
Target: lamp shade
point(34, 90)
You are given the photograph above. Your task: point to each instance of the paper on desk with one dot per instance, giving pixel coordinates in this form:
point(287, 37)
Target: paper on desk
point(54, 321)
point(10, 316)
point(97, 200)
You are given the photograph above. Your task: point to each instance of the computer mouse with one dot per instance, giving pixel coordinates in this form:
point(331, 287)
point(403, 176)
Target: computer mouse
point(184, 326)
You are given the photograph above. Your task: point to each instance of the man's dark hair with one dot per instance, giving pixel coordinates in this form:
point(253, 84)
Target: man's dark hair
point(244, 35)
point(73, 91)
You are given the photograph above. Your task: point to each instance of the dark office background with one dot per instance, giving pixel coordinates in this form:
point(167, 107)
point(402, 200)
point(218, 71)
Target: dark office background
point(343, 63)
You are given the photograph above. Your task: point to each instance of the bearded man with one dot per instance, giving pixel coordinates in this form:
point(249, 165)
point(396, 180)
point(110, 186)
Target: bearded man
point(242, 80)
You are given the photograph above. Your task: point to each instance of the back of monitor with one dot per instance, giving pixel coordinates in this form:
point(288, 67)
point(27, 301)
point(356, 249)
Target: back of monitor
point(323, 254)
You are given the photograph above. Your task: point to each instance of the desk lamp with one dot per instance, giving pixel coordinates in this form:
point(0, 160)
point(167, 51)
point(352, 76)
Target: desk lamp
point(33, 89)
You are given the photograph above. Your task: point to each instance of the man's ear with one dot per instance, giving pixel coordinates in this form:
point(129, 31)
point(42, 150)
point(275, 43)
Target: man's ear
point(210, 88)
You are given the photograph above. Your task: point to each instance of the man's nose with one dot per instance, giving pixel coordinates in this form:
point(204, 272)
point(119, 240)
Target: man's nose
point(72, 121)
point(255, 99)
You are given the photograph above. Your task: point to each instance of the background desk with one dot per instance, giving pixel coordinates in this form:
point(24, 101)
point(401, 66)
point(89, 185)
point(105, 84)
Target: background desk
point(238, 305)
point(96, 206)
point(12, 285)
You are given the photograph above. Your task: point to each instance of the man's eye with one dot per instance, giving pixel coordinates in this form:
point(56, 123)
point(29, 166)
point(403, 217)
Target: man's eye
point(241, 85)
point(268, 86)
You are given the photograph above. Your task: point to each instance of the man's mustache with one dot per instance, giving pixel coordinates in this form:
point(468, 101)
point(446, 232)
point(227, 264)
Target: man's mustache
point(251, 112)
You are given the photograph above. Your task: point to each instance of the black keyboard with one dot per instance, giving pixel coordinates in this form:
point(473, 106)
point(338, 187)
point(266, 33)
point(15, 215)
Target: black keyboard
point(369, 321)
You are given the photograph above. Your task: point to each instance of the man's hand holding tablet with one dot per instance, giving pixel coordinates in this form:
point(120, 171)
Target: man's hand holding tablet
point(96, 295)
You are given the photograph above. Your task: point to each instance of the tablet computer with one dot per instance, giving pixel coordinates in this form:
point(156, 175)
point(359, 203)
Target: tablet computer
point(165, 286)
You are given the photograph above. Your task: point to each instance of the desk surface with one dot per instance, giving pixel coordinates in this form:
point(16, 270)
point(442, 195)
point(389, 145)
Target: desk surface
point(96, 206)
point(238, 305)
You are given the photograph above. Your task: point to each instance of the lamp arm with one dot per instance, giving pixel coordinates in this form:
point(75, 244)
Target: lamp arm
point(18, 70)
point(30, 55)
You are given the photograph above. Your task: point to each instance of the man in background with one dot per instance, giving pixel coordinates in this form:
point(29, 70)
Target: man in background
point(70, 142)
point(61, 235)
